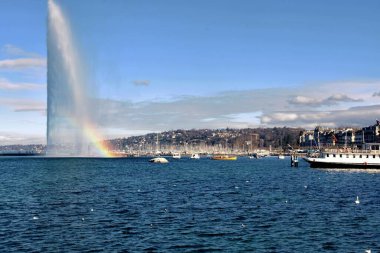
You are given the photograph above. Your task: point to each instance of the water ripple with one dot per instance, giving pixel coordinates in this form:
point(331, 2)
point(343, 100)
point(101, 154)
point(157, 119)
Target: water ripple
point(129, 205)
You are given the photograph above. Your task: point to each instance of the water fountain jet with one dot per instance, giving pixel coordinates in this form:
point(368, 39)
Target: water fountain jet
point(70, 129)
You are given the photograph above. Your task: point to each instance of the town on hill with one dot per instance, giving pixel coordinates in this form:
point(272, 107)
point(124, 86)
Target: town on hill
point(228, 140)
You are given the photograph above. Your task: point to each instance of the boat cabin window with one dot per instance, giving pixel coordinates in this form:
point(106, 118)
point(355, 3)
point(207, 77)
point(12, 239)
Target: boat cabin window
point(347, 156)
point(353, 156)
point(360, 156)
point(367, 156)
point(328, 155)
point(340, 155)
point(334, 155)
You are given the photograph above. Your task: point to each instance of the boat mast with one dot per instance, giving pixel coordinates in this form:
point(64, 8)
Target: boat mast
point(345, 141)
point(157, 144)
point(319, 142)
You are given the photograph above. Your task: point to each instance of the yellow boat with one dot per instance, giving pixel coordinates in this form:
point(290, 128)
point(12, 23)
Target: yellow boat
point(224, 157)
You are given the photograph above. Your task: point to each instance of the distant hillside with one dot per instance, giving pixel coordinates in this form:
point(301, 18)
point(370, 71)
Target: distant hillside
point(233, 139)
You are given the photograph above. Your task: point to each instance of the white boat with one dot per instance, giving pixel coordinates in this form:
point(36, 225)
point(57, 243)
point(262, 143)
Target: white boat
point(158, 160)
point(176, 156)
point(347, 158)
point(261, 153)
point(195, 156)
point(281, 157)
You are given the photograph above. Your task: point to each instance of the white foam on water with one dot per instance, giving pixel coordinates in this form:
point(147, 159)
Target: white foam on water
point(357, 201)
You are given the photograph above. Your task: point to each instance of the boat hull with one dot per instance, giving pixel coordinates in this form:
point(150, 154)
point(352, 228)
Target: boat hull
point(223, 158)
point(158, 160)
point(325, 164)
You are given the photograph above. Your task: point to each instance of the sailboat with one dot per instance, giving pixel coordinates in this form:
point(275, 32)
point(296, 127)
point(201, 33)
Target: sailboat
point(158, 159)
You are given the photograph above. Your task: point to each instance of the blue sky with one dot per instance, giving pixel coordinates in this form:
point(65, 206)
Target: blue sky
point(168, 64)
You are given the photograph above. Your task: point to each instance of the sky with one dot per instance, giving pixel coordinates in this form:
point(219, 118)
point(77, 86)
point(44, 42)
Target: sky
point(169, 64)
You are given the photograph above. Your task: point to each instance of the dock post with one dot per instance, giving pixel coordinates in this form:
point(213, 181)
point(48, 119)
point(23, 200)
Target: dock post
point(293, 161)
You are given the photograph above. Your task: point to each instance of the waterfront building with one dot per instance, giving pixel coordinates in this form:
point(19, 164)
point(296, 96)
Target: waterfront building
point(342, 137)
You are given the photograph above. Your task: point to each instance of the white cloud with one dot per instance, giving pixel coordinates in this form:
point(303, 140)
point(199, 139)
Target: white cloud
point(7, 85)
point(247, 108)
point(251, 117)
point(22, 63)
point(279, 117)
point(24, 105)
point(335, 98)
point(331, 100)
point(10, 138)
point(13, 50)
point(354, 116)
point(141, 82)
point(302, 100)
point(224, 109)
point(208, 119)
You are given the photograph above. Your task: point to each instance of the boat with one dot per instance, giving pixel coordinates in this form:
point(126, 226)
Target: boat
point(224, 157)
point(281, 157)
point(195, 156)
point(158, 160)
point(176, 156)
point(369, 157)
point(261, 153)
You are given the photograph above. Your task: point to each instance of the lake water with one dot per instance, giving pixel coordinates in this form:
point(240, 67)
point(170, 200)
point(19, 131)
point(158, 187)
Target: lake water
point(130, 205)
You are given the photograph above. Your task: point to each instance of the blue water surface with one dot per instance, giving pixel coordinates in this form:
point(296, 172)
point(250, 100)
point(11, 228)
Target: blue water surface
point(131, 205)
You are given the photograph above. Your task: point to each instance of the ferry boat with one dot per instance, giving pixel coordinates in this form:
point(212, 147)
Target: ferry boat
point(224, 157)
point(369, 157)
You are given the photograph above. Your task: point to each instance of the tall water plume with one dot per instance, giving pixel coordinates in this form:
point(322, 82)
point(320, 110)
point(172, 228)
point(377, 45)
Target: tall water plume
point(69, 128)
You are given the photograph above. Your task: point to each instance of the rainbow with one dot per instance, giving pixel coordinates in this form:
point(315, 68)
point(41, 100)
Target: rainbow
point(96, 140)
